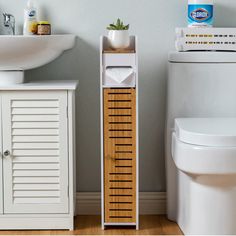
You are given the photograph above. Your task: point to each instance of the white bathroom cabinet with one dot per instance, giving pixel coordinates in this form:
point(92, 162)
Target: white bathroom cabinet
point(119, 136)
point(37, 156)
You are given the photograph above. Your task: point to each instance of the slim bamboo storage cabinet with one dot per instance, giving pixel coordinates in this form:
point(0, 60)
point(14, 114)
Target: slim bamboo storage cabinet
point(119, 136)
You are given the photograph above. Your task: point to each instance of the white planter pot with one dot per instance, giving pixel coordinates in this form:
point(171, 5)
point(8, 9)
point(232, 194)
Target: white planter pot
point(119, 39)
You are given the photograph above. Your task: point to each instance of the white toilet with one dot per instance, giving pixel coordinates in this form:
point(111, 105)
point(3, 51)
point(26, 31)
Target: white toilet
point(201, 152)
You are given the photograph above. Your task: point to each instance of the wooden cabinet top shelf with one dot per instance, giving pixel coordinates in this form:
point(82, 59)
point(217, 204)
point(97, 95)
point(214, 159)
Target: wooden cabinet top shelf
point(126, 50)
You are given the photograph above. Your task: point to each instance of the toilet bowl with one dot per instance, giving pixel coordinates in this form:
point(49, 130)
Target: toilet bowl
point(204, 152)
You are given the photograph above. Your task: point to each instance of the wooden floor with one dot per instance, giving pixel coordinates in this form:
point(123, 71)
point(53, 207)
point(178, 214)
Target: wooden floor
point(90, 225)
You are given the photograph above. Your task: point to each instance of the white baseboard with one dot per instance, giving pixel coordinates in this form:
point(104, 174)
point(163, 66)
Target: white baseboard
point(151, 203)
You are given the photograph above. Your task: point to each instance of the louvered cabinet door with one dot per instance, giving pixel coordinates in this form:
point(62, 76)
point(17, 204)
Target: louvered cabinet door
point(35, 172)
point(120, 155)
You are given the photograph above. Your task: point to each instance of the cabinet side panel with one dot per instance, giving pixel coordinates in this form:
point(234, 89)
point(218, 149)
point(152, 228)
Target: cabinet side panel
point(1, 160)
point(72, 150)
point(120, 155)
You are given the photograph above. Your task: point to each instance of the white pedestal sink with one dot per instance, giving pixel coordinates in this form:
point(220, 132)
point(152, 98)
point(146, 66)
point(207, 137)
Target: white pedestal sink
point(20, 53)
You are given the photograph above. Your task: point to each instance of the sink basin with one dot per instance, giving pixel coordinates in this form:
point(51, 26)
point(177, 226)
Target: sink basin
point(20, 53)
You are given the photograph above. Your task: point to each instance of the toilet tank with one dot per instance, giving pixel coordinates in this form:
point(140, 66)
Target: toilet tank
point(200, 84)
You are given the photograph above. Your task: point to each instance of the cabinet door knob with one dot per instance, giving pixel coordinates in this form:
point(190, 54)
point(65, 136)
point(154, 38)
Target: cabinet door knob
point(110, 158)
point(6, 153)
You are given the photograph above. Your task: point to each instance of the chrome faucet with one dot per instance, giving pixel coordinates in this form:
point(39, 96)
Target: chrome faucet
point(9, 22)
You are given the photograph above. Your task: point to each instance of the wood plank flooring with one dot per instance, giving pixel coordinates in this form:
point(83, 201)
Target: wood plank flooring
point(90, 225)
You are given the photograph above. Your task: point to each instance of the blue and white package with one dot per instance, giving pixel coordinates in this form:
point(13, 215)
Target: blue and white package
point(200, 15)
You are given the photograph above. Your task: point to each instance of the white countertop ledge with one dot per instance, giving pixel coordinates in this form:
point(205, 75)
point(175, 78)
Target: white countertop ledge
point(43, 85)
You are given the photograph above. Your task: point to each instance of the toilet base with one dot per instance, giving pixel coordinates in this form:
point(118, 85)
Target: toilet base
point(207, 204)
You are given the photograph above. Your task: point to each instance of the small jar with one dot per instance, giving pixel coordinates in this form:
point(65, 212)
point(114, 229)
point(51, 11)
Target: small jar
point(44, 28)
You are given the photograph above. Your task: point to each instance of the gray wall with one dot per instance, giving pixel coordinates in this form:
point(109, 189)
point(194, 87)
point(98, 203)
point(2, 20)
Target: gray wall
point(154, 22)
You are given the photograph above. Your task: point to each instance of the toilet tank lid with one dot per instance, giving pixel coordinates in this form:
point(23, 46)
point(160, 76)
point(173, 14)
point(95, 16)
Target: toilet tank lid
point(202, 57)
point(211, 132)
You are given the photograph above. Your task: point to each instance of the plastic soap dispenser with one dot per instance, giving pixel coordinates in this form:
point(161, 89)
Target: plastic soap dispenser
point(30, 19)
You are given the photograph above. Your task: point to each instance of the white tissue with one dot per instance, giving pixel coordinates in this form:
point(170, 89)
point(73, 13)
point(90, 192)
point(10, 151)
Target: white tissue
point(119, 74)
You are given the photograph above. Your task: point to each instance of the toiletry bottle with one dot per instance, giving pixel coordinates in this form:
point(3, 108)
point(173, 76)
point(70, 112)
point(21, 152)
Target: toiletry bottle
point(200, 13)
point(30, 19)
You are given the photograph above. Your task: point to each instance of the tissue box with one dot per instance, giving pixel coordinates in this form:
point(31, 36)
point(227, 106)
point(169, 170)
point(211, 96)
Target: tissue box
point(119, 77)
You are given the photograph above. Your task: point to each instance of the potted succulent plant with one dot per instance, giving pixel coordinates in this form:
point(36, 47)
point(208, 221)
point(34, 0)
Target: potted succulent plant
point(118, 35)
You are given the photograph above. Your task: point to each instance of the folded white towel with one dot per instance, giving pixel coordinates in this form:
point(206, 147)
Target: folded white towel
point(119, 74)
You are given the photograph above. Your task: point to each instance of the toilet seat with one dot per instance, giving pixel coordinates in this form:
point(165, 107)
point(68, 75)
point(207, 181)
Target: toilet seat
point(205, 146)
point(216, 132)
point(199, 160)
